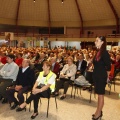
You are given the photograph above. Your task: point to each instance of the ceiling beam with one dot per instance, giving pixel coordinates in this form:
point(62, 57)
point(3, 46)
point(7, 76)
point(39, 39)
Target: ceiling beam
point(115, 14)
point(17, 15)
point(80, 15)
point(49, 17)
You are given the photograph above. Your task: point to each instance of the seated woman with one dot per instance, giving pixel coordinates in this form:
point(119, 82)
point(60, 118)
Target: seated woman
point(66, 75)
point(45, 84)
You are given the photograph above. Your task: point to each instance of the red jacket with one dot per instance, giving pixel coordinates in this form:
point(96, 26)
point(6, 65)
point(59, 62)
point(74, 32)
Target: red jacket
point(117, 64)
point(56, 68)
point(18, 61)
point(3, 60)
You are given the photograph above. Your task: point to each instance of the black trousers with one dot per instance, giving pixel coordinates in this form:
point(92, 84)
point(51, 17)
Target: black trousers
point(35, 98)
point(4, 83)
point(62, 83)
point(11, 97)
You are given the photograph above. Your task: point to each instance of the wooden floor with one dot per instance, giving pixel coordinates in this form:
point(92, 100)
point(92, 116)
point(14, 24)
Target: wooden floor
point(70, 108)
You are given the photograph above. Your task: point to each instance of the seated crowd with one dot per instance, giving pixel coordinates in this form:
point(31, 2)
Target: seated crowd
point(42, 71)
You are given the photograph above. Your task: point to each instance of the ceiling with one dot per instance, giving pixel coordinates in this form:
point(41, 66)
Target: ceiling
point(56, 13)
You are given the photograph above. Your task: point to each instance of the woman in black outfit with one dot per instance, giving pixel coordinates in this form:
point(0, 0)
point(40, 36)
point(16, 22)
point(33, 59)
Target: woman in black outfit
point(102, 66)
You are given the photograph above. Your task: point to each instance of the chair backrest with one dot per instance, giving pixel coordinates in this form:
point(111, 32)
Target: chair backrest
point(112, 72)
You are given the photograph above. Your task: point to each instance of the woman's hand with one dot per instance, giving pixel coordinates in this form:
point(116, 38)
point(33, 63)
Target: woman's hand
point(62, 75)
point(18, 87)
point(35, 91)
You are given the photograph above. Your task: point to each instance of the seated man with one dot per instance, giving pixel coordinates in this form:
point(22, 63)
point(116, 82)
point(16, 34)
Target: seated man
point(24, 83)
point(8, 75)
point(81, 65)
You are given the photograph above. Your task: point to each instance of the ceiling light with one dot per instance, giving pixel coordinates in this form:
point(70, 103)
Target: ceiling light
point(33, 0)
point(62, 1)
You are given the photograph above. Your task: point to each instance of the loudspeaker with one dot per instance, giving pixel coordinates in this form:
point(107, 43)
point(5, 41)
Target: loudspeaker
point(113, 32)
point(88, 32)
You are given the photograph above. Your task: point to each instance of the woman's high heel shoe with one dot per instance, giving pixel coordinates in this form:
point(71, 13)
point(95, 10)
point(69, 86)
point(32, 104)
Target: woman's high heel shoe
point(100, 115)
point(20, 109)
point(33, 117)
point(98, 118)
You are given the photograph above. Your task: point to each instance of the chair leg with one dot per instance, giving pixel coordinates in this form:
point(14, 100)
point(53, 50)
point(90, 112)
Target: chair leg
point(30, 107)
point(80, 90)
point(26, 95)
point(71, 91)
point(10, 104)
point(90, 94)
point(77, 91)
point(56, 102)
point(40, 101)
point(114, 85)
point(110, 89)
point(74, 92)
point(48, 108)
point(94, 94)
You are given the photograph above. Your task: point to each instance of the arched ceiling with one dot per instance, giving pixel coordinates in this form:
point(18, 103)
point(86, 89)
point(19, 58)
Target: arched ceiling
point(28, 13)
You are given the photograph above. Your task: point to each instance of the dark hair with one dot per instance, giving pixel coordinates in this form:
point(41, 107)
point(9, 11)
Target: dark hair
point(11, 56)
point(103, 46)
point(20, 54)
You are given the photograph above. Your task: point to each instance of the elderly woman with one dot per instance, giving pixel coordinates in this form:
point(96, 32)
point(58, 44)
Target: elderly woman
point(66, 75)
point(45, 84)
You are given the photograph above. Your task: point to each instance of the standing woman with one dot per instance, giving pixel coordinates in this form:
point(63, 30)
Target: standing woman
point(102, 66)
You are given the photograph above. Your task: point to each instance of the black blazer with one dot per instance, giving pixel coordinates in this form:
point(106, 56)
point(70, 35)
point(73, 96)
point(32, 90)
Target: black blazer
point(27, 78)
point(83, 66)
point(102, 66)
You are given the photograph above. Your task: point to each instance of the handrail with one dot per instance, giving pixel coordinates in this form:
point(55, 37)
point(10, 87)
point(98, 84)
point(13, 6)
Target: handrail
point(59, 35)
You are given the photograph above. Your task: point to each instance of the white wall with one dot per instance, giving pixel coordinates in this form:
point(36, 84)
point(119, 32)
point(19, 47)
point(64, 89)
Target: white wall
point(63, 43)
point(57, 43)
point(74, 44)
point(42, 43)
point(118, 43)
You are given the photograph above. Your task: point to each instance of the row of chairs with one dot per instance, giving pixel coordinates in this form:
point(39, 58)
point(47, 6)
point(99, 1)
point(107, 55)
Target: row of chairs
point(76, 87)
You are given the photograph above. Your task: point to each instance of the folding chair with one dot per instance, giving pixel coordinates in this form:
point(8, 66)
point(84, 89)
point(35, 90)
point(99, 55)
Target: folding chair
point(81, 86)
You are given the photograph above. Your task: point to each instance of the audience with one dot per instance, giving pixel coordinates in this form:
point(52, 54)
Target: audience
point(24, 83)
point(45, 84)
point(66, 76)
point(8, 75)
point(66, 64)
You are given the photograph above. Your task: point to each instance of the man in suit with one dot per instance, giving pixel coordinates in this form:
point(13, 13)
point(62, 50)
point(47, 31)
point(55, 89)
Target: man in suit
point(55, 66)
point(8, 75)
point(81, 65)
point(24, 83)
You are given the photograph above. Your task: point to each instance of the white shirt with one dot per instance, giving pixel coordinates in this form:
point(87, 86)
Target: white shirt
point(53, 66)
point(79, 66)
point(24, 69)
point(50, 81)
point(9, 71)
